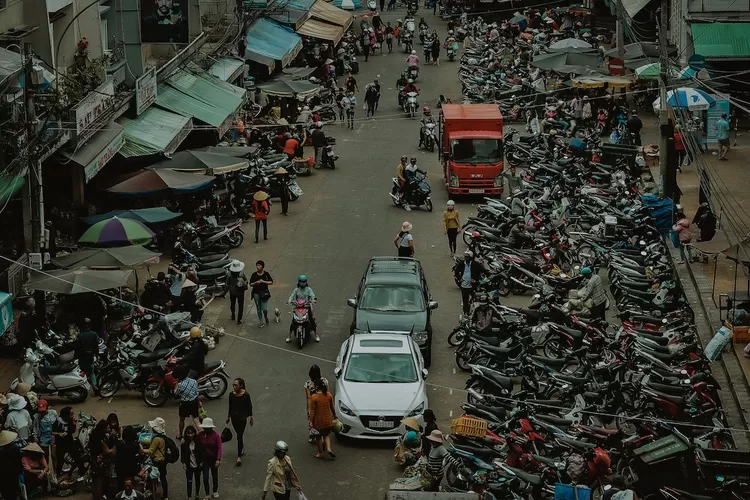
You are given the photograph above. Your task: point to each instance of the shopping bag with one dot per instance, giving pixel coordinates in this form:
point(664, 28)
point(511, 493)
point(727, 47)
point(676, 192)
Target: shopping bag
point(226, 435)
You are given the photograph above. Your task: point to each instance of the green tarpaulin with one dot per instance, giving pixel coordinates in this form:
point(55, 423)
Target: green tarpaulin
point(9, 186)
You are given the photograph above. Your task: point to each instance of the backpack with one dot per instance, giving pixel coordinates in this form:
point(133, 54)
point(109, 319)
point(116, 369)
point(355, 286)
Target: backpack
point(171, 451)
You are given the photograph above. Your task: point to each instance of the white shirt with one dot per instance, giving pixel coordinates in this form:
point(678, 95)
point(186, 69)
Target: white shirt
point(405, 239)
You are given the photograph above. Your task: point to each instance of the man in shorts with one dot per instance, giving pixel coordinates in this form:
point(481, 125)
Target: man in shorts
point(722, 134)
point(187, 391)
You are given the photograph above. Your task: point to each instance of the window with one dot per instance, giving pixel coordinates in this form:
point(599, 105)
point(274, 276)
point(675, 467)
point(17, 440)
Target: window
point(392, 298)
point(375, 368)
point(477, 150)
point(103, 16)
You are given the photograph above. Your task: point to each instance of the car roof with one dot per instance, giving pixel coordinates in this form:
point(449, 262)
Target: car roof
point(393, 271)
point(380, 343)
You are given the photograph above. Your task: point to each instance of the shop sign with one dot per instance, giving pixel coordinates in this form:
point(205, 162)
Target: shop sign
point(175, 143)
point(92, 109)
point(145, 91)
point(90, 170)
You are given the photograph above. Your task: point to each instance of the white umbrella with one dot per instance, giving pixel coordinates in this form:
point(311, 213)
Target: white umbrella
point(686, 97)
point(571, 43)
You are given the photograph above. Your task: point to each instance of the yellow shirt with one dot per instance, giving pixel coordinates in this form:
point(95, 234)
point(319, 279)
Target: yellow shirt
point(158, 449)
point(400, 171)
point(450, 219)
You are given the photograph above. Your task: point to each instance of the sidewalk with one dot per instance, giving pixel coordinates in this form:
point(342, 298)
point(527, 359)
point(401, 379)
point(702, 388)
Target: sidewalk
point(733, 370)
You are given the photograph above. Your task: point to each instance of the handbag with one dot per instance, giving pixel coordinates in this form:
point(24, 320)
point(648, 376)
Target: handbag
point(265, 294)
point(226, 435)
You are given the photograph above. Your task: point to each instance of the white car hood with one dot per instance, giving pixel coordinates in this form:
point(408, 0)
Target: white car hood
point(366, 399)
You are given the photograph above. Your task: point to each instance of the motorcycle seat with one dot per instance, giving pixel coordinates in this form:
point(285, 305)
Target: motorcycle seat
point(598, 430)
point(210, 232)
point(577, 444)
point(556, 421)
point(545, 460)
point(678, 400)
point(637, 284)
point(648, 295)
point(206, 259)
point(148, 357)
point(528, 139)
point(503, 351)
point(571, 378)
point(501, 380)
point(475, 450)
point(212, 366)
point(211, 274)
point(555, 362)
point(576, 334)
point(662, 356)
point(498, 411)
point(57, 369)
point(653, 337)
point(532, 479)
point(674, 390)
point(492, 341)
point(543, 403)
point(214, 265)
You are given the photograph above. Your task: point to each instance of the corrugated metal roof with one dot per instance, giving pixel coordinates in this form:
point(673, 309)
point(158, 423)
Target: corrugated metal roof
point(721, 40)
point(225, 68)
point(270, 39)
point(172, 99)
point(332, 14)
point(153, 132)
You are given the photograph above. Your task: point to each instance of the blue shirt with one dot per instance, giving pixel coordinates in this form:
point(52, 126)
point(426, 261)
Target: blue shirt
point(187, 390)
point(306, 294)
point(722, 129)
point(466, 278)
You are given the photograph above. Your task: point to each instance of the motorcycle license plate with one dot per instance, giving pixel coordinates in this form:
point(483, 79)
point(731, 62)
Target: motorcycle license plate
point(294, 188)
point(381, 424)
point(476, 191)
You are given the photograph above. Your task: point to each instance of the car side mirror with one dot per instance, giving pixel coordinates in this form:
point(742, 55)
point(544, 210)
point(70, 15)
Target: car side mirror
point(337, 372)
point(425, 372)
point(432, 304)
point(351, 302)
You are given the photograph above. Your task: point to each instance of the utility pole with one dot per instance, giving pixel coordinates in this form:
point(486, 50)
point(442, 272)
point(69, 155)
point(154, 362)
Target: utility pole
point(34, 172)
point(663, 112)
point(620, 32)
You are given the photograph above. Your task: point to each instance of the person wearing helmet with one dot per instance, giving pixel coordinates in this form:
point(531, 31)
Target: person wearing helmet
point(408, 87)
point(319, 142)
point(280, 474)
point(426, 118)
point(468, 271)
point(306, 293)
point(412, 60)
point(592, 294)
point(451, 225)
point(410, 175)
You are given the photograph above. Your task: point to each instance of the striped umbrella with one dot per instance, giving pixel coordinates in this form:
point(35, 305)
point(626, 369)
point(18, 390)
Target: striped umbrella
point(686, 97)
point(116, 232)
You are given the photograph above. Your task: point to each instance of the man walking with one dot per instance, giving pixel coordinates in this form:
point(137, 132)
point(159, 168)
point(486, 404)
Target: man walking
point(470, 271)
point(87, 347)
point(634, 127)
point(319, 143)
point(722, 134)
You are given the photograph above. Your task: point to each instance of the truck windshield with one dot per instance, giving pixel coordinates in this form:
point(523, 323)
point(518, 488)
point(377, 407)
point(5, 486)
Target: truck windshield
point(477, 150)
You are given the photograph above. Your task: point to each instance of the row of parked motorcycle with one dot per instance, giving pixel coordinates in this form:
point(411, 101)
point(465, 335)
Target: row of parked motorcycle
point(567, 399)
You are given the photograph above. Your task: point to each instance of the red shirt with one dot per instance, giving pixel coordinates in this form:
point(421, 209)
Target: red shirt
point(261, 209)
point(679, 141)
point(291, 145)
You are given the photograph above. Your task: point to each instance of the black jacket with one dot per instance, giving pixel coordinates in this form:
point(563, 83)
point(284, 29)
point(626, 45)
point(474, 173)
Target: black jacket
point(476, 271)
point(185, 452)
point(635, 125)
point(318, 138)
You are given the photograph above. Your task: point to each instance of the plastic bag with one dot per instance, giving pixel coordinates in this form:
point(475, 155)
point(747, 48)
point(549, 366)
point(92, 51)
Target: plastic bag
point(226, 435)
point(202, 413)
point(576, 468)
point(718, 343)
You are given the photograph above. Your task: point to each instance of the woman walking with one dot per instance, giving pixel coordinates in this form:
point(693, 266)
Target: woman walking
point(314, 375)
point(100, 455)
point(280, 474)
point(684, 236)
point(260, 280)
point(404, 241)
point(158, 452)
point(240, 411)
point(237, 284)
point(322, 413)
point(211, 442)
point(191, 456)
point(451, 225)
point(261, 208)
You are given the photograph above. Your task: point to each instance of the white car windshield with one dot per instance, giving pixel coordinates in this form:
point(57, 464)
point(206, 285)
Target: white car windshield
point(392, 298)
point(377, 368)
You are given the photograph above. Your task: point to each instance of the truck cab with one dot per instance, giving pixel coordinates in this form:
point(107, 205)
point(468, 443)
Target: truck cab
point(471, 148)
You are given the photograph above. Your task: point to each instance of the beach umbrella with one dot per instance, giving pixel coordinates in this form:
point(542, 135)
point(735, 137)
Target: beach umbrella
point(73, 281)
point(131, 256)
point(685, 97)
point(202, 162)
point(652, 71)
point(155, 215)
point(570, 43)
point(161, 181)
point(117, 232)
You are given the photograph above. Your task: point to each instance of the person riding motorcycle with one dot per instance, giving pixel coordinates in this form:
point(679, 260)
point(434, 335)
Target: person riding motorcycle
point(426, 118)
point(409, 87)
point(307, 294)
point(400, 85)
point(412, 60)
point(195, 359)
point(410, 175)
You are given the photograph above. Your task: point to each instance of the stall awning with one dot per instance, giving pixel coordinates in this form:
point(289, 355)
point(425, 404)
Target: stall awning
point(266, 62)
point(326, 12)
point(201, 96)
point(154, 131)
point(722, 40)
point(227, 69)
point(322, 30)
point(269, 39)
point(101, 148)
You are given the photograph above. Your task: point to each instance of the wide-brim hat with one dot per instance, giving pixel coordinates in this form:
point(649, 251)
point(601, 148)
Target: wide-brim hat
point(33, 447)
point(411, 423)
point(260, 196)
point(187, 284)
point(406, 226)
point(208, 423)
point(158, 425)
point(236, 266)
point(436, 436)
point(23, 388)
point(7, 437)
point(16, 402)
point(281, 170)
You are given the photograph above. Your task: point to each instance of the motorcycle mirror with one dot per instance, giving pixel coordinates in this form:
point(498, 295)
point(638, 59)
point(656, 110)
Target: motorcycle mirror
point(337, 372)
point(425, 372)
point(643, 254)
point(563, 275)
point(432, 304)
point(577, 268)
point(351, 302)
point(537, 296)
point(683, 372)
point(642, 243)
point(664, 321)
point(686, 381)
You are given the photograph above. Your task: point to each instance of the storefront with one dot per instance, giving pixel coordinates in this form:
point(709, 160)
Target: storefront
point(155, 131)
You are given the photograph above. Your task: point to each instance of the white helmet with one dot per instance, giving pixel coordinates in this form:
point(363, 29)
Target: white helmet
point(450, 32)
point(451, 203)
point(414, 52)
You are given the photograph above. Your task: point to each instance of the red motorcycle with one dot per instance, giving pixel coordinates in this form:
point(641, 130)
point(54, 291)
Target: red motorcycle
point(212, 383)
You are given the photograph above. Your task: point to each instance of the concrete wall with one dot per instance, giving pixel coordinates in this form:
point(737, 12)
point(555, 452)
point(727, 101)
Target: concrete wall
point(68, 30)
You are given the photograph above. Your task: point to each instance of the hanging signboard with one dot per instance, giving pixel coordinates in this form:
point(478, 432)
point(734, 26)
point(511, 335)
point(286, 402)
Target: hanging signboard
point(106, 154)
point(145, 91)
point(93, 110)
point(713, 114)
point(164, 21)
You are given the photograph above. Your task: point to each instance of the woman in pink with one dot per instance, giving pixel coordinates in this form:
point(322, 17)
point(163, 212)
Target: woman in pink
point(682, 228)
point(211, 441)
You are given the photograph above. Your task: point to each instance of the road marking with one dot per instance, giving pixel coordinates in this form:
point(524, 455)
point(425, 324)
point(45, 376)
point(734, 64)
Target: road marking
point(454, 371)
point(450, 414)
point(450, 392)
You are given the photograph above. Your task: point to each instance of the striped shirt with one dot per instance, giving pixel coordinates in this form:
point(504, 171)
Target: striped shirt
point(593, 290)
point(187, 390)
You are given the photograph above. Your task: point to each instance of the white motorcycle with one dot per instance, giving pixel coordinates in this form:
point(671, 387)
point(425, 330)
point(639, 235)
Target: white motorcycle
point(428, 136)
point(65, 380)
point(411, 105)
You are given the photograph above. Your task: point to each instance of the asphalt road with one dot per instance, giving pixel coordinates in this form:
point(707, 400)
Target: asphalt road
point(344, 218)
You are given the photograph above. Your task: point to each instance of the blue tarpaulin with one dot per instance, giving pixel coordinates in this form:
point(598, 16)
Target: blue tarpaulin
point(269, 39)
point(662, 210)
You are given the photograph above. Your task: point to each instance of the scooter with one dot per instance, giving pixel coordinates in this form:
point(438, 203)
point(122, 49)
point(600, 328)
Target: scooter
point(411, 105)
point(212, 383)
point(301, 324)
point(66, 380)
point(420, 194)
point(429, 139)
point(217, 237)
point(329, 157)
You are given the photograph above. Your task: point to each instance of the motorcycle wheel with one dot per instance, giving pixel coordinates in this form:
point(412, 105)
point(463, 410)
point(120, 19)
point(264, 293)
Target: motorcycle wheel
point(431, 146)
point(217, 386)
point(462, 359)
point(155, 394)
point(456, 337)
point(236, 240)
point(504, 289)
point(109, 386)
point(516, 289)
point(428, 204)
point(301, 337)
point(553, 348)
point(476, 387)
point(76, 394)
point(586, 255)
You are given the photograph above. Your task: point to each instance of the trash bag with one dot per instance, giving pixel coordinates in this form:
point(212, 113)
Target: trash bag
point(718, 342)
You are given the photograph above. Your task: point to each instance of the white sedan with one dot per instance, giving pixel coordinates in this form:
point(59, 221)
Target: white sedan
point(380, 379)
